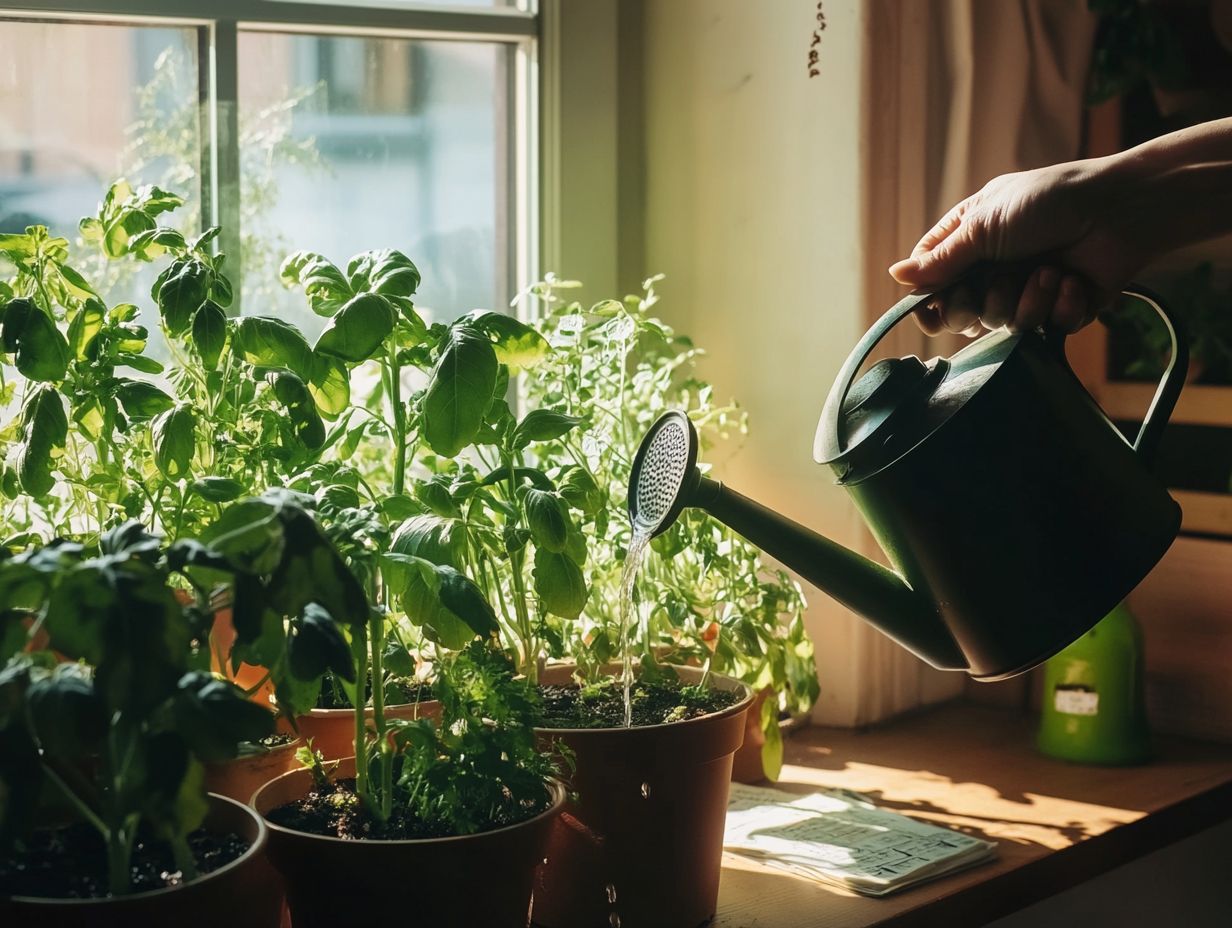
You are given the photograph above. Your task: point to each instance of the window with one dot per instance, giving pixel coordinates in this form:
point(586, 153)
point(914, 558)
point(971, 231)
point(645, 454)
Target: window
point(351, 126)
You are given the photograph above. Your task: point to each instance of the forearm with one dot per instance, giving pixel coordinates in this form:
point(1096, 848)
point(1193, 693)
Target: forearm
point(1174, 190)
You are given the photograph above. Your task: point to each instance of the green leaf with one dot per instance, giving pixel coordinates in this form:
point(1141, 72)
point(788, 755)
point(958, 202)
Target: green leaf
point(517, 344)
point(358, 329)
point(301, 410)
point(17, 245)
point(462, 597)
point(542, 425)
point(84, 328)
point(548, 519)
point(44, 428)
point(178, 295)
point(579, 490)
point(175, 441)
point(215, 717)
point(142, 400)
point(218, 489)
point(459, 391)
point(140, 363)
point(41, 350)
point(330, 385)
point(75, 286)
point(560, 584)
point(386, 271)
point(323, 283)
point(117, 233)
point(154, 243)
point(316, 644)
point(209, 333)
point(772, 749)
point(264, 341)
point(66, 714)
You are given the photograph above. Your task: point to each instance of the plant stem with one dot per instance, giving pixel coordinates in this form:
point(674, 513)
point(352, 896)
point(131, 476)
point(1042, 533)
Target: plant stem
point(361, 734)
point(119, 873)
point(530, 666)
point(184, 860)
point(399, 416)
point(376, 645)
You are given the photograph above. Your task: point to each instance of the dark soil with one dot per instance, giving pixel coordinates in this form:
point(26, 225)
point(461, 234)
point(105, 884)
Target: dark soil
point(336, 812)
point(71, 863)
point(398, 691)
point(602, 705)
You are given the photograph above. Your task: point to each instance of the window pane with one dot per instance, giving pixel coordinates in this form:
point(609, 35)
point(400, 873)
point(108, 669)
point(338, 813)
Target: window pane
point(81, 105)
point(351, 143)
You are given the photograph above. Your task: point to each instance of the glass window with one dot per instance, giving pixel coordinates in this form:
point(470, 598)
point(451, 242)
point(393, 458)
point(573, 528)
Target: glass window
point(351, 143)
point(81, 105)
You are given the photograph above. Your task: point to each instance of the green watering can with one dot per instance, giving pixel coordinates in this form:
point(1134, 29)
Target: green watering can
point(1014, 513)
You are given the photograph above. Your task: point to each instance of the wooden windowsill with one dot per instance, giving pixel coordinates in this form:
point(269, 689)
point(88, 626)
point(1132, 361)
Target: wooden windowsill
point(975, 769)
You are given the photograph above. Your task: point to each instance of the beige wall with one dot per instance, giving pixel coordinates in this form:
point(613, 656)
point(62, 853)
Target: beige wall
point(753, 210)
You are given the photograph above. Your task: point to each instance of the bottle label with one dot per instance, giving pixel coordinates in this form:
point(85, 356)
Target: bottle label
point(1076, 700)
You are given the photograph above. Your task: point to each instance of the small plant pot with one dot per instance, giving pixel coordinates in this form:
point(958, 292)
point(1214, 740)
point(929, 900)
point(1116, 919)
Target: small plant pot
point(247, 676)
point(643, 842)
point(240, 777)
point(332, 731)
point(246, 893)
point(747, 765)
point(467, 881)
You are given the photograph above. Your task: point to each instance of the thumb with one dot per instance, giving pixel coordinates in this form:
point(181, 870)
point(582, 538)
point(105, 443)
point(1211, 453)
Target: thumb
point(940, 264)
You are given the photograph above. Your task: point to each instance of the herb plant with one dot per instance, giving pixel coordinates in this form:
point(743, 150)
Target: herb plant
point(116, 717)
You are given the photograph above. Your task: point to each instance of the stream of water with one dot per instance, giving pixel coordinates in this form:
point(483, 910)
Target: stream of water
point(638, 546)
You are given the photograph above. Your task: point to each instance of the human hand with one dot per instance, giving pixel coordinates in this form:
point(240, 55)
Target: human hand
point(1063, 253)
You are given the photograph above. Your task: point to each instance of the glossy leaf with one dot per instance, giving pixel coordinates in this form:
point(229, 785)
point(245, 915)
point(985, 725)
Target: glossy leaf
point(87, 322)
point(301, 410)
point(264, 341)
point(185, 287)
point(316, 645)
point(543, 425)
point(330, 385)
point(44, 428)
point(547, 518)
point(559, 584)
point(142, 400)
point(175, 441)
point(459, 391)
point(358, 329)
point(209, 333)
point(327, 290)
point(42, 352)
point(517, 344)
point(385, 271)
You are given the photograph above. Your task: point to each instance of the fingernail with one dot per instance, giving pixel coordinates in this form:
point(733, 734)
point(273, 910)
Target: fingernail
point(1048, 278)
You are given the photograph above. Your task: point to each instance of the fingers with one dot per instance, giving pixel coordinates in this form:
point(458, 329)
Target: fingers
point(1038, 298)
point(945, 251)
point(1048, 295)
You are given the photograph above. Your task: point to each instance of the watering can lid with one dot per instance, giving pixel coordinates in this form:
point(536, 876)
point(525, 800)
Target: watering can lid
point(899, 402)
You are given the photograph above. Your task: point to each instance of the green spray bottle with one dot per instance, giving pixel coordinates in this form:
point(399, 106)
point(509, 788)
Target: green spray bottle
point(1094, 708)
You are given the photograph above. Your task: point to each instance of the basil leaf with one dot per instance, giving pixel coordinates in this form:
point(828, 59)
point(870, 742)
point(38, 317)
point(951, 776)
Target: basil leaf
point(358, 329)
point(66, 714)
point(543, 425)
point(559, 584)
point(218, 489)
point(215, 716)
point(327, 290)
point(44, 427)
point(175, 441)
point(301, 410)
point(209, 333)
point(87, 322)
point(459, 391)
point(316, 645)
point(330, 385)
point(264, 341)
point(142, 400)
point(178, 295)
point(462, 596)
point(385, 271)
point(154, 243)
point(547, 518)
point(517, 344)
point(41, 350)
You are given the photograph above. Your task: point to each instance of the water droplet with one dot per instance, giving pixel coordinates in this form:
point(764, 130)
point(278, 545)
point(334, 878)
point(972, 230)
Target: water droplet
point(614, 920)
point(611, 894)
point(545, 861)
point(645, 790)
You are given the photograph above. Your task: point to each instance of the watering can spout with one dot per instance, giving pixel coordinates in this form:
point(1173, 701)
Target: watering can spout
point(872, 591)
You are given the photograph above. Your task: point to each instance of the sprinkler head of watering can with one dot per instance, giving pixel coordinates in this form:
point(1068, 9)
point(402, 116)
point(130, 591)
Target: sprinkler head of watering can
point(664, 476)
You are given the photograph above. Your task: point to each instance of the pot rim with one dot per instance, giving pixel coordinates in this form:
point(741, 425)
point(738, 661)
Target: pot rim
point(257, 847)
point(299, 742)
point(739, 706)
point(368, 711)
point(555, 788)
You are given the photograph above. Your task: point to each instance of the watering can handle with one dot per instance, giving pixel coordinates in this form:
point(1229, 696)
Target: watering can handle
point(1162, 404)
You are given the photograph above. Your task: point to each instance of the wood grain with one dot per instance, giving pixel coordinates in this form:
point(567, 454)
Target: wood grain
point(974, 769)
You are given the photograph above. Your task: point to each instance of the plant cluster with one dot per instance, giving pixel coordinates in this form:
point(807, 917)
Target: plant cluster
point(114, 712)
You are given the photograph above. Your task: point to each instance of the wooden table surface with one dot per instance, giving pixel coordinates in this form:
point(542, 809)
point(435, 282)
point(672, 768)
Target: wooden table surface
point(975, 769)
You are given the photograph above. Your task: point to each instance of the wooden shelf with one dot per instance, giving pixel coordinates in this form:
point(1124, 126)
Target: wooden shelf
point(975, 769)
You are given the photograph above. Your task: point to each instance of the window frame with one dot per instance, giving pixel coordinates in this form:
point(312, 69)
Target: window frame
point(218, 84)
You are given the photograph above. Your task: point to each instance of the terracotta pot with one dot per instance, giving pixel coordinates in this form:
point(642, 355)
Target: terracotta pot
point(332, 731)
point(644, 840)
point(747, 766)
point(467, 881)
point(246, 893)
point(222, 640)
point(240, 777)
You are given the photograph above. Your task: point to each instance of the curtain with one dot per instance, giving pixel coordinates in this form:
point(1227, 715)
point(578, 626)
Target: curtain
point(956, 92)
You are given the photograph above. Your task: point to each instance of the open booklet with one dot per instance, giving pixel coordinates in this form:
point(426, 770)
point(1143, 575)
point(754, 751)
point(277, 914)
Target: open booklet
point(840, 837)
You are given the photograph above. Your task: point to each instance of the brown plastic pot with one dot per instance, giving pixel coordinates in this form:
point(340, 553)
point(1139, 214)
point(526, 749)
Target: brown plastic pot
point(332, 731)
point(467, 881)
point(644, 839)
point(747, 765)
point(246, 893)
point(247, 676)
point(240, 777)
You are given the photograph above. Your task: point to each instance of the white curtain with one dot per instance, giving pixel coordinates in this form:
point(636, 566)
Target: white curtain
point(955, 93)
